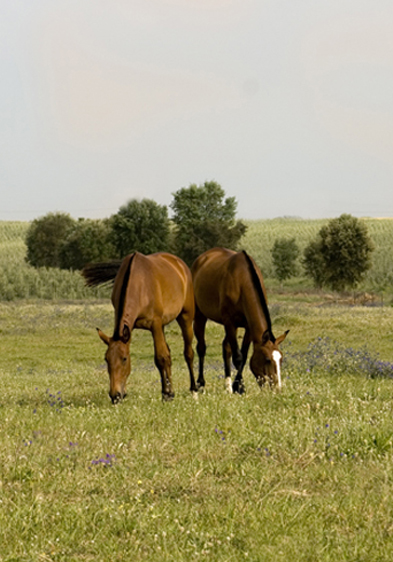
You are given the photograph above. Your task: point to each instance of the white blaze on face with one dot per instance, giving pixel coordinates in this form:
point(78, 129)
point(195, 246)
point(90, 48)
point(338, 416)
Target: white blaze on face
point(277, 358)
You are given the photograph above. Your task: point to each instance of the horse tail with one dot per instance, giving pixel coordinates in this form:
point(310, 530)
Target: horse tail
point(258, 286)
point(100, 273)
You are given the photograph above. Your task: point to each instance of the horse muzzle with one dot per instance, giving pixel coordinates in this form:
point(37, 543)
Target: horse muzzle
point(118, 397)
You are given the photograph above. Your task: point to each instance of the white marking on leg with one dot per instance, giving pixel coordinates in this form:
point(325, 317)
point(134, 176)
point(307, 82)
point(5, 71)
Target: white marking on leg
point(228, 385)
point(277, 358)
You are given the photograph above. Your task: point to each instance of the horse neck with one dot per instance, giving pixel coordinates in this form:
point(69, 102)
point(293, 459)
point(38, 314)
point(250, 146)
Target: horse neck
point(253, 311)
point(127, 302)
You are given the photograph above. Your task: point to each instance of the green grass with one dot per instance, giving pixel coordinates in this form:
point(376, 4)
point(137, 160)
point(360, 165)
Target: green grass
point(304, 474)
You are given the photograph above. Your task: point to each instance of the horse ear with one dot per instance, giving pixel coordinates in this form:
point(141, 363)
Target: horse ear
point(103, 336)
point(281, 338)
point(265, 337)
point(125, 338)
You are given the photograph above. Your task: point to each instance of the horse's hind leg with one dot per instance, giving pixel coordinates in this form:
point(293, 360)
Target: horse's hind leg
point(238, 384)
point(199, 331)
point(227, 355)
point(162, 359)
point(185, 324)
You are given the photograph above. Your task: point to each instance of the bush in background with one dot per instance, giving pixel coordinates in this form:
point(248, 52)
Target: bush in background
point(45, 237)
point(141, 226)
point(284, 254)
point(204, 219)
point(341, 254)
point(87, 241)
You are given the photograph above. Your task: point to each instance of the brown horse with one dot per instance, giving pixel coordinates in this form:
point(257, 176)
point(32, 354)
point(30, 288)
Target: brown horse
point(148, 293)
point(229, 290)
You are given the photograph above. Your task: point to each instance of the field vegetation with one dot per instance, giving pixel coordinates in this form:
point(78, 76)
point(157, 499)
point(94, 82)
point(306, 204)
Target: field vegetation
point(303, 474)
point(20, 280)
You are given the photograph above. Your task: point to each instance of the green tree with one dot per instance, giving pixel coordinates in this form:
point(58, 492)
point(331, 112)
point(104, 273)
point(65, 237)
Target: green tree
point(45, 237)
point(141, 226)
point(341, 254)
point(284, 254)
point(204, 219)
point(313, 263)
point(87, 241)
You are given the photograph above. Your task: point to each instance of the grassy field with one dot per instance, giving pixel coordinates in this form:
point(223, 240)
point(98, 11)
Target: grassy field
point(305, 474)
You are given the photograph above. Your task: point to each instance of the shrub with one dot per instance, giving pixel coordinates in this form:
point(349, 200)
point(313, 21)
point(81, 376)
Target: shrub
point(284, 254)
point(204, 219)
point(141, 226)
point(45, 237)
point(87, 241)
point(341, 254)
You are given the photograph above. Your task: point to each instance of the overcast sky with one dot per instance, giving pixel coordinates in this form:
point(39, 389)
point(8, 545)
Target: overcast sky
point(288, 104)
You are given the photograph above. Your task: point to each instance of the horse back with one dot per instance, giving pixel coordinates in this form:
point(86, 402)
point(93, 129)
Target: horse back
point(218, 283)
point(150, 287)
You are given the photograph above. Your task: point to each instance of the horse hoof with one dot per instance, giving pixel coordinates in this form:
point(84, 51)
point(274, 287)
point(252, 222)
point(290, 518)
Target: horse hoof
point(238, 388)
point(167, 397)
point(201, 387)
point(195, 395)
point(228, 385)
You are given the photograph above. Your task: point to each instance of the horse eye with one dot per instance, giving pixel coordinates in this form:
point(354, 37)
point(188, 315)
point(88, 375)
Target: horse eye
point(124, 359)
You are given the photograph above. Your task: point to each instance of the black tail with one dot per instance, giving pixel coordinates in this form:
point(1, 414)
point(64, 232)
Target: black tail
point(100, 273)
point(258, 287)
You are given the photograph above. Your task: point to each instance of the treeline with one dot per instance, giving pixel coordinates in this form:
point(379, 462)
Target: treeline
point(338, 257)
point(44, 260)
point(202, 218)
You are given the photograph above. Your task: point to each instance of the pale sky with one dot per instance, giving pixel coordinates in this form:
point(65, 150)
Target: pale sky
point(288, 104)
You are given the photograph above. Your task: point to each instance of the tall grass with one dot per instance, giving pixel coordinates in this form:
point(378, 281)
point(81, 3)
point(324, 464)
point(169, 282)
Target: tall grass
point(18, 280)
point(304, 474)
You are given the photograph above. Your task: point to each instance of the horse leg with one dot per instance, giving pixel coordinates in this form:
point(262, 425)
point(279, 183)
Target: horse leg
point(231, 331)
point(162, 359)
point(199, 331)
point(185, 324)
point(238, 384)
point(226, 355)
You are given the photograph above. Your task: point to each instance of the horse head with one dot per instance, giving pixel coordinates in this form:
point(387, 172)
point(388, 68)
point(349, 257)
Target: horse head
point(118, 361)
point(266, 359)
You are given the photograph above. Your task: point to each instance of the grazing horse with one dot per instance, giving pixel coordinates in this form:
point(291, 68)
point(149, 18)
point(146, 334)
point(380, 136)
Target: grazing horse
point(229, 290)
point(148, 293)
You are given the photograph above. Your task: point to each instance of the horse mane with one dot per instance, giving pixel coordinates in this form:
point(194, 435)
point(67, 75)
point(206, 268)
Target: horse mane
point(100, 273)
point(258, 287)
point(122, 298)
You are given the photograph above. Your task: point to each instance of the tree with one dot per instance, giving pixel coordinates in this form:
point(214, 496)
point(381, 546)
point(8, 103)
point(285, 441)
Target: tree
point(45, 237)
point(141, 226)
point(313, 263)
point(341, 254)
point(87, 241)
point(204, 219)
point(284, 254)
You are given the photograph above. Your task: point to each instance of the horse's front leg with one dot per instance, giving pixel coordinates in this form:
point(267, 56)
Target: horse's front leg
point(238, 384)
point(162, 359)
point(199, 331)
